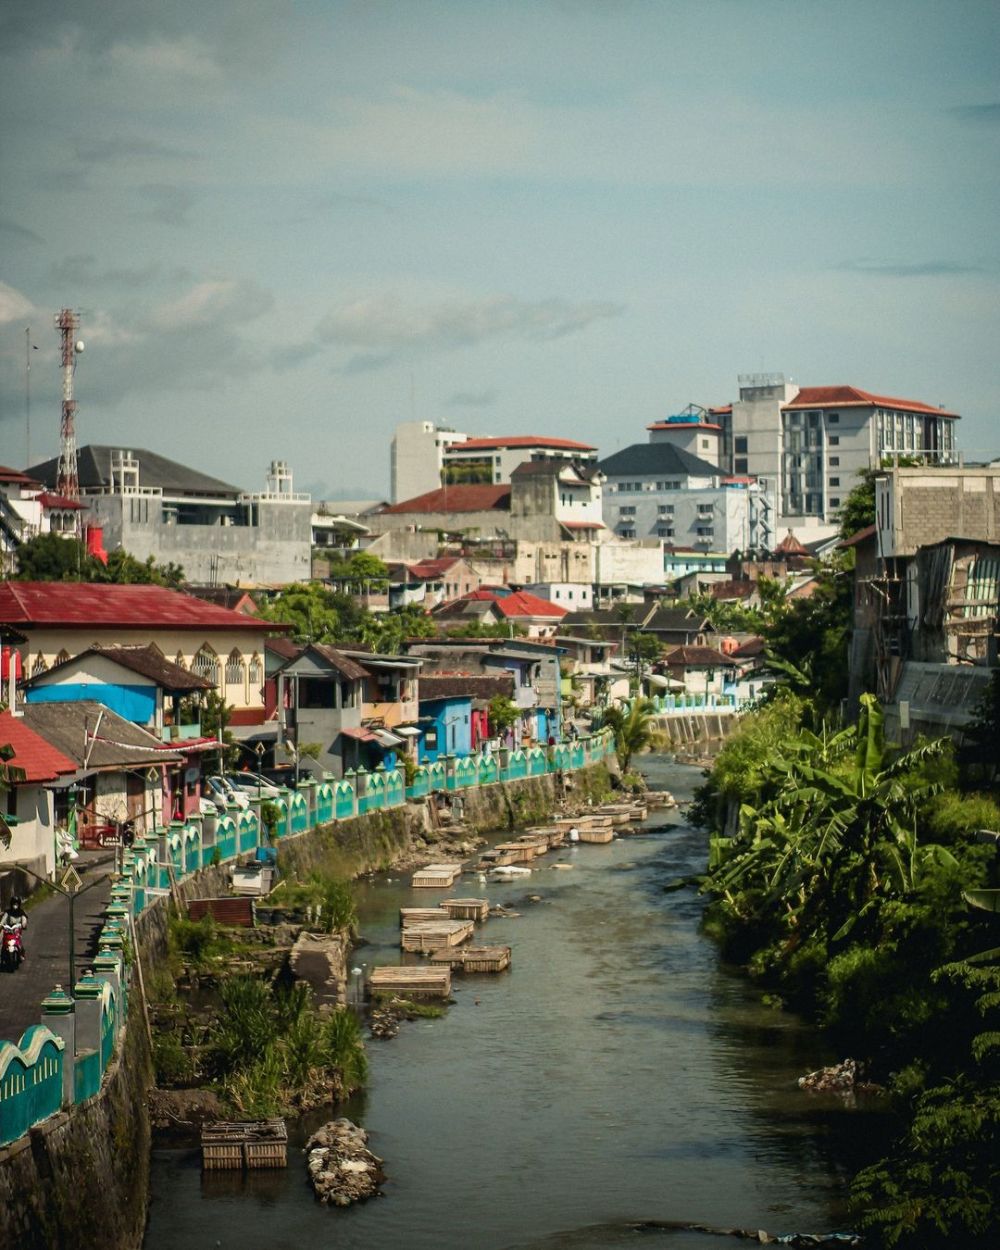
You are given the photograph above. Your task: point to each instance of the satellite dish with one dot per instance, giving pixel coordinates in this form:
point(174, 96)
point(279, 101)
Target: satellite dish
point(78, 346)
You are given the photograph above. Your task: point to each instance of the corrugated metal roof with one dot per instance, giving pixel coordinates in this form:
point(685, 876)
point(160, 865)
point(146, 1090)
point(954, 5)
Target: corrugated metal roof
point(117, 607)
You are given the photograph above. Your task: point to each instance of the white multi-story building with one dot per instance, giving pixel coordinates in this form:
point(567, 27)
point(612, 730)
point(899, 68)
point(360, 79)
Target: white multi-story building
point(493, 460)
point(416, 456)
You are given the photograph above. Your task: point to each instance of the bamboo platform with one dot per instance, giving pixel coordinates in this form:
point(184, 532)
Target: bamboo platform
point(249, 1144)
point(434, 935)
point(418, 915)
point(475, 958)
point(466, 908)
point(410, 982)
point(597, 835)
point(555, 834)
point(539, 841)
point(516, 852)
point(436, 876)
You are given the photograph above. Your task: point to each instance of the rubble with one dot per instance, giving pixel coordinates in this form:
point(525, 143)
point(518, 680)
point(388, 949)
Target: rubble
point(342, 1169)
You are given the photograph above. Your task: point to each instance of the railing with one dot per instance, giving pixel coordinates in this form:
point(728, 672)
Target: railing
point(62, 1061)
point(668, 704)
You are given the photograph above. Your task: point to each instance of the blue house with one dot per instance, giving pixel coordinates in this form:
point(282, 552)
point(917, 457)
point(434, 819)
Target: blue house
point(447, 726)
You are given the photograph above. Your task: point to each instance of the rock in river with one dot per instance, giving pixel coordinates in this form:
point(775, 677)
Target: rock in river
point(342, 1169)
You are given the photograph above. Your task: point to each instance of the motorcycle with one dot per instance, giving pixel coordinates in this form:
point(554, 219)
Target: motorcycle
point(11, 948)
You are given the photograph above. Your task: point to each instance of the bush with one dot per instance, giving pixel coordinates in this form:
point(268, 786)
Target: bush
point(951, 816)
point(343, 1048)
point(172, 1062)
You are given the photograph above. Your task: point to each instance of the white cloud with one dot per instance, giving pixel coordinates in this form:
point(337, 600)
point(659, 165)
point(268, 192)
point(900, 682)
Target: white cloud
point(208, 303)
point(384, 322)
point(176, 58)
point(14, 306)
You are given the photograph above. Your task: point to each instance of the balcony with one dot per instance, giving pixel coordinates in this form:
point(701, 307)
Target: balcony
point(180, 733)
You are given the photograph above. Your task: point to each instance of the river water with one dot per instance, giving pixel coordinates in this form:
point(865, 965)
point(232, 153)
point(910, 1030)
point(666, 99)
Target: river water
point(618, 1073)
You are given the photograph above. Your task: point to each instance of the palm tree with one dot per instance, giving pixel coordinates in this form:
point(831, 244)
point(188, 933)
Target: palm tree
point(634, 730)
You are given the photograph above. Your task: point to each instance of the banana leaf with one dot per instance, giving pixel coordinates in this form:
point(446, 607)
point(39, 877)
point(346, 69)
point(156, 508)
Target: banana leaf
point(985, 900)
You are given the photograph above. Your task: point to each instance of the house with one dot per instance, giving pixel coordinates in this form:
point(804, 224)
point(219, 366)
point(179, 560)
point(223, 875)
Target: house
point(152, 506)
point(27, 509)
point(589, 675)
point(359, 708)
point(63, 619)
point(672, 626)
point(533, 667)
point(702, 670)
point(429, 582)
point(27, 827)
point(454, 711)
point(122, 772)
point(495, 605)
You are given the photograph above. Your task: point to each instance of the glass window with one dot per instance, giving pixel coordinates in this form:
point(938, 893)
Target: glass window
point(834, 440)
point(206, 664)
point(740, 445)
point(833, 418)
point(834, 503)
point(740, 464)
point(834, 481)
point(834, 462)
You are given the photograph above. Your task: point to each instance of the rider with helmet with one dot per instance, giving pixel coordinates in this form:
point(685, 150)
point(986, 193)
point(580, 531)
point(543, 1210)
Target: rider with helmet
point(15, 918)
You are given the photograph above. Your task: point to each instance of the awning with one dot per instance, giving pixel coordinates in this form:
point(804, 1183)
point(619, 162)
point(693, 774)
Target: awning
point(360, 735)
point(387, 739)
point(410, 731)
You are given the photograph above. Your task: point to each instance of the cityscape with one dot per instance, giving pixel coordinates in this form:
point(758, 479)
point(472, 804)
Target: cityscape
point(449, 709)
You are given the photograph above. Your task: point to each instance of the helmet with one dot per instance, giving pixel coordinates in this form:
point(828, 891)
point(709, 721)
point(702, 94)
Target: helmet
point(15, 903)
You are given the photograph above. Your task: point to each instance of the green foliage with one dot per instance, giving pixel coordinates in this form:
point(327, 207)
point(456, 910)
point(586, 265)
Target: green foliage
point(197, 942)
point(485, 629)
point(332, 895)
point(53, 558)
point(342, 1047)
point(502, 714)
point(270, 814)
point(172, 1061)
point(952, 816)
point(634, 730)
point(362, 570)
point(125, 570)
point(858, 510)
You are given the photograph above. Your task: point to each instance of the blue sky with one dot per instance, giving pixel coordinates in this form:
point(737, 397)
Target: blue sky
point(288, 226)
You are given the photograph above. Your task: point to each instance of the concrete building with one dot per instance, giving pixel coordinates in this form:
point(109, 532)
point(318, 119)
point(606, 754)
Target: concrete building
point(28, 822)
point(810, 443)
point(151, 506)
point(919, 506)
point(486, 460)
point(416, 456)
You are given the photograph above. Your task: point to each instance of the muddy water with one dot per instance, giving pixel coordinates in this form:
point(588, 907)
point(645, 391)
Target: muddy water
point(618, 1073)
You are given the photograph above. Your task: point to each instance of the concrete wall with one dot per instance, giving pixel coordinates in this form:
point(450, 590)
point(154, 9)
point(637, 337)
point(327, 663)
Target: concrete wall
point(276, 549)
point(917, 507)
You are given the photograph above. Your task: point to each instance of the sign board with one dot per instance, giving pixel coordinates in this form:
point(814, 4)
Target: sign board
point(71, 880)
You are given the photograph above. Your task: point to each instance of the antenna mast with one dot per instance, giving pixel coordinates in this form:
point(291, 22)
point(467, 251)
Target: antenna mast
point(68, 482)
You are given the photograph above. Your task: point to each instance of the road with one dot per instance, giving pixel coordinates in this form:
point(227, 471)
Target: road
point(47, 943)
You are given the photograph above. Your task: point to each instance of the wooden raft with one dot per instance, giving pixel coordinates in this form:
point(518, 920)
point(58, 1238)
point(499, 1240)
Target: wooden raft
point(515, 852)
point(475, 958)
point(539, 841)
point(420, 915)
point(433, 935)
point(555, 835)
point(410, 982)
point(477, 909)
point(436, 876)
point(597, 835)
point(248, 1144)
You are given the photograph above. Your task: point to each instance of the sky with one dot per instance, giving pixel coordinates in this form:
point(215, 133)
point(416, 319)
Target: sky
point(288, 226)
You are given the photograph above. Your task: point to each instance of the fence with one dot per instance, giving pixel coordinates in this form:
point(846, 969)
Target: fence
point(665, 704)
point(62, 1061)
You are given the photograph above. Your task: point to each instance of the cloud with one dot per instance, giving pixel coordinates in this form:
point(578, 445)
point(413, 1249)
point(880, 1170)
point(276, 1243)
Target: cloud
point(978, 114)
point(19, 232)
point(282, 359)
point(168, 204)
point(471, 399)
point(13, 305)
point(219, 301)
point(184, 57)
point(93, 151)
point(383, 323)
point(894, 269)
point(82, 271)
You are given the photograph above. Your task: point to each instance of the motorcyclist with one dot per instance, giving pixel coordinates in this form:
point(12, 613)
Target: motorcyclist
point(15, 918)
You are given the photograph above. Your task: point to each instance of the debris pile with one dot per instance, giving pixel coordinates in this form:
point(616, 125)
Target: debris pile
point(841, 1078)
point(342, 1169)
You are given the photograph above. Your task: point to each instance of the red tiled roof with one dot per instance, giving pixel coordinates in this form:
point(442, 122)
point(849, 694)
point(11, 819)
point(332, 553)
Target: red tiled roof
point(40, 760)
point(15, 477)
point(852, 397)
point(790, 546)
point(523, 603)
point(116, 607)
point(432, 568)
point(484, 498)
point(723, 408)
point(859, 536)
point(521, 440)
point(49, 500)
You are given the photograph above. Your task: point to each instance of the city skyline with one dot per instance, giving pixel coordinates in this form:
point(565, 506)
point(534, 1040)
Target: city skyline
point(288, 229)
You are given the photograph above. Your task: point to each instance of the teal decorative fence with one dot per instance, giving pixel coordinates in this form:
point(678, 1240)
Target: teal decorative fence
point(32, 1071)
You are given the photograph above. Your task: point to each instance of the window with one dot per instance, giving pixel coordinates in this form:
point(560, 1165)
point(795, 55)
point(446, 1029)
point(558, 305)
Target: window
point(740, 445)
point(256, 671)
point(665, 531)
point(627, 510)
point(834, 440)
point(206, 664)
point(234, 668)
point(626, 532)
point(705, 531)
point(704, 509)
point(665, 508)
point(834, 481)
point(832, 418)
point(740, 465)
point(834, 462)
point(834, 503)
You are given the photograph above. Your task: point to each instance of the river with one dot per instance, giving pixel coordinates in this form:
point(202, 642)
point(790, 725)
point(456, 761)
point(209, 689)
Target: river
point(620, 1072)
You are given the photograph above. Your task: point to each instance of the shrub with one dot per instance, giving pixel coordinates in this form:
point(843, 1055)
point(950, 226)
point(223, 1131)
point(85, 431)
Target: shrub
point(343, 1048)
point(172, 1062)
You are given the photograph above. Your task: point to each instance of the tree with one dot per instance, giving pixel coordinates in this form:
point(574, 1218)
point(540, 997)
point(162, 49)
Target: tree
point(125, 570)
point(502, 715)
point(54, 558)
point(316, 613)
point(361, 568)
point(634, 730)
point(858, 510)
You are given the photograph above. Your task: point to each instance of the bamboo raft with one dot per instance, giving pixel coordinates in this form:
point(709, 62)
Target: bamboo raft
point(434, 935)
point(419, 915)
point(600, 835)
point(466, 908)
point(436, 876)
point(539, 841)
point(244, 1144)
point(475, 958)
point(515, 853)
point(554, 834)
point(410, 982)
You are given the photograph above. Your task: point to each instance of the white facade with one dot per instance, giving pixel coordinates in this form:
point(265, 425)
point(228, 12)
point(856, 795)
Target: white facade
point(416, 456)
point(493, 460)
point(574, 596)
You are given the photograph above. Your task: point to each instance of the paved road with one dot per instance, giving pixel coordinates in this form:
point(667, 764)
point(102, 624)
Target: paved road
point(47, 943)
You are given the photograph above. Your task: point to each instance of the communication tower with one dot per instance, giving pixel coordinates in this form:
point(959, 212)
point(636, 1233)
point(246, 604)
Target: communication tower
point(68, 481)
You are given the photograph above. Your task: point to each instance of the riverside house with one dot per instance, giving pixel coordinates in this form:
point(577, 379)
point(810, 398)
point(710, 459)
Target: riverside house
point(27, 829)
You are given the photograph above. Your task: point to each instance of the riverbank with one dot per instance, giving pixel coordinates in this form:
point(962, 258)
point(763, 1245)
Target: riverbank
point(619, 1072)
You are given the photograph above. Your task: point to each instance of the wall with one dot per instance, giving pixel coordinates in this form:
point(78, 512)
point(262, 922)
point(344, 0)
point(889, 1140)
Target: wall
point(917, 507)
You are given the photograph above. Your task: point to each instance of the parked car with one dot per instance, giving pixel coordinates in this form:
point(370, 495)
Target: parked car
point(253, 784)
point(221, 790)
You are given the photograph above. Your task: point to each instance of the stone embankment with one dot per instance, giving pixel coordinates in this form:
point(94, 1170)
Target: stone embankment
point(342, 1169)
